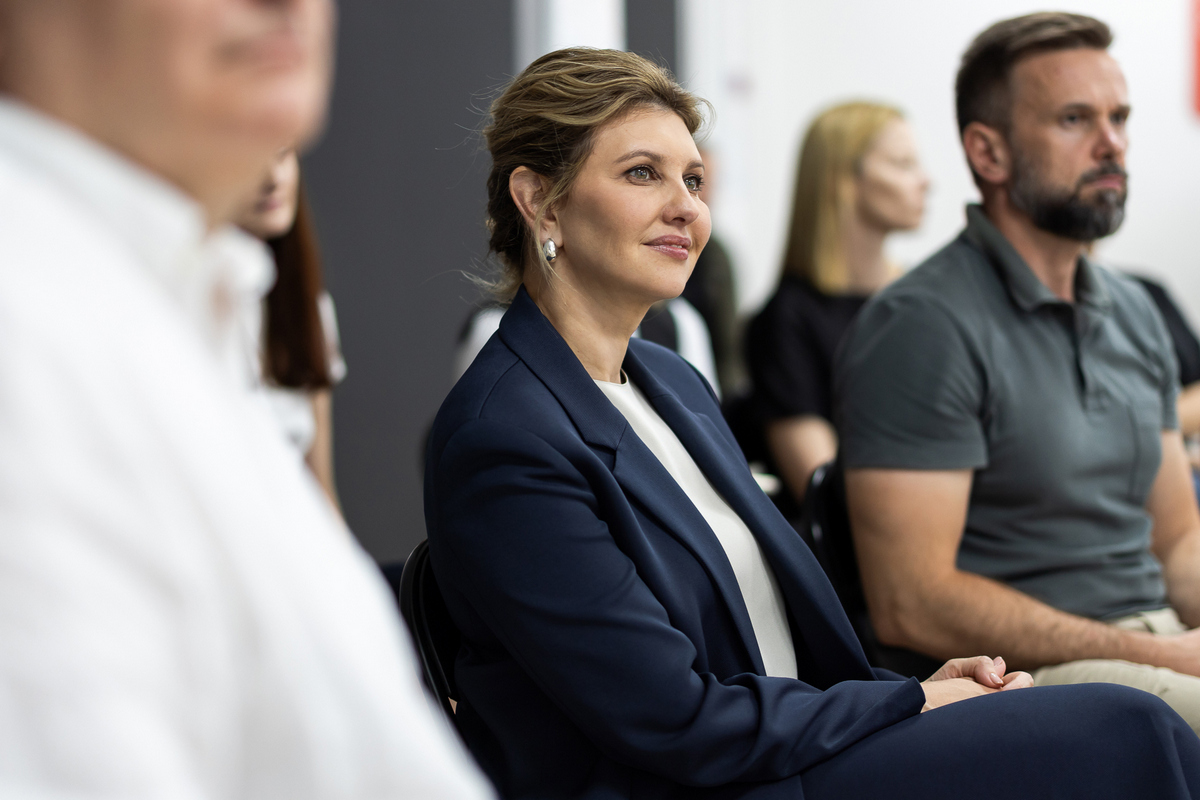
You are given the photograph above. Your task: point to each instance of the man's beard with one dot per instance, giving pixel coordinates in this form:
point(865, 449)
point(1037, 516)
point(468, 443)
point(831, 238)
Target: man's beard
point(1063, 212)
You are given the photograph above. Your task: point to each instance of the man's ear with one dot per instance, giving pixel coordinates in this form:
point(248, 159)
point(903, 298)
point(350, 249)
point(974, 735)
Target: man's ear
point(987, 152)
point(528, 190)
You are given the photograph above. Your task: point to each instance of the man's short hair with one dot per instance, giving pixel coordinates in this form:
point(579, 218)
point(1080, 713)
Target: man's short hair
point(981, 91)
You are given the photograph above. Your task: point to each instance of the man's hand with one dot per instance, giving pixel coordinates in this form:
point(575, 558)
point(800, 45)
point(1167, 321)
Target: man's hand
point(963, 678)
point(1180, 652)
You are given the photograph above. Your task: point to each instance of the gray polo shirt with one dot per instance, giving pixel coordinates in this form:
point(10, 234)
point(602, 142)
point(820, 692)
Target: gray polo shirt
point(970, 362)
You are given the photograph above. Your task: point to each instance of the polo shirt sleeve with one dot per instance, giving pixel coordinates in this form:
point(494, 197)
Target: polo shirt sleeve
point(909, 391)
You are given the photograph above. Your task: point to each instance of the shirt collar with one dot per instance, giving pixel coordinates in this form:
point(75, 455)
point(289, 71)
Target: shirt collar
point(1025, 288)
point(210, 274)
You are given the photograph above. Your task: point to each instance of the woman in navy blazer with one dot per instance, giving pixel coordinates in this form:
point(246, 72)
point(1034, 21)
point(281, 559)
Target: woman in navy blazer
point(608, 648)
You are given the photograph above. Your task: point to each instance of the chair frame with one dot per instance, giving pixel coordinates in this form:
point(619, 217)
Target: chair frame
point(433, 631)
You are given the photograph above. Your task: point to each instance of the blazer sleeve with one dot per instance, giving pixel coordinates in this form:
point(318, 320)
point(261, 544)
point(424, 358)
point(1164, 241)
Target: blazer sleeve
point(517, 529)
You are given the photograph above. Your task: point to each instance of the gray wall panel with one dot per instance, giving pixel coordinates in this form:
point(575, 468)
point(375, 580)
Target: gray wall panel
point(650, 30)
point(397, 185)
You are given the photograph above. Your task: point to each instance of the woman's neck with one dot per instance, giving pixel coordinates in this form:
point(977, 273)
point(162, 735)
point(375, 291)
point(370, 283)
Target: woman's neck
point(867, 269)
point(596, 327)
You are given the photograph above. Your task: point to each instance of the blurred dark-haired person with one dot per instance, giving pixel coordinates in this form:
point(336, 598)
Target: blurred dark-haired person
point(1014, 470)
point(637, 618)
point(298, 358)
point(1186, 347)
point(712, 290)
point(859, 179)
point(181, 612)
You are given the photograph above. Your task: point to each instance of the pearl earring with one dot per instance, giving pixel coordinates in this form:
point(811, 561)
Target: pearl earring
point(550, 251)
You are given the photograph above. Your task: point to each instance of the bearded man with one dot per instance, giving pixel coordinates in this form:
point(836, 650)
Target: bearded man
point(1015, 477)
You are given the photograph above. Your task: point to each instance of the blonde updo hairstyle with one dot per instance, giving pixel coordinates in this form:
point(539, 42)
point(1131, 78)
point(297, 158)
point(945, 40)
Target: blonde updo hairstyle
point(547, 120)
point(831, 158)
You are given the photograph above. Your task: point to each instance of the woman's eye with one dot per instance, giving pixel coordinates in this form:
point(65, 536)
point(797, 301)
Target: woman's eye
point(641, 173)
point(693, 182)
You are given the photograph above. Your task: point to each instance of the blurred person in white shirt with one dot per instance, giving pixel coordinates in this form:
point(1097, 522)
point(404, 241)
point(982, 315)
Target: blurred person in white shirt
point(181, 614)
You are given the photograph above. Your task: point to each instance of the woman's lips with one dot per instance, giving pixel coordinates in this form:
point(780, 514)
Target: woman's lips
point(270, 203)
point(676, 247)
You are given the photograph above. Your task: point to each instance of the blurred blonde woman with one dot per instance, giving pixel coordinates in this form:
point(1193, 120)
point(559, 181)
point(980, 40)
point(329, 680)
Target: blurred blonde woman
point(859, 180)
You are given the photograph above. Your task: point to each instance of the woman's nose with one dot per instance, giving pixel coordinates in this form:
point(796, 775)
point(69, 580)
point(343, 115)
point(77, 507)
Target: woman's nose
point(684, 204)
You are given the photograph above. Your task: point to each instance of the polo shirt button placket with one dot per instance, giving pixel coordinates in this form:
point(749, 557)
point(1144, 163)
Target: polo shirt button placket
point(1086, 327)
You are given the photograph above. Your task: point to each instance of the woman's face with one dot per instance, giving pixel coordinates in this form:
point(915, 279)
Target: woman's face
point(891, 185)
point(272, 209)
point(633, 224)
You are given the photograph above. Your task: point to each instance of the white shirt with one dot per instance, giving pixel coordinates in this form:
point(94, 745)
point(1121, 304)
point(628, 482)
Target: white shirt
point(764, 601)
point(181, 613)
point(293, 408)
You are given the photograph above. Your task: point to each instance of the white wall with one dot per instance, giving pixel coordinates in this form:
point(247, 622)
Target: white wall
point(770, 65)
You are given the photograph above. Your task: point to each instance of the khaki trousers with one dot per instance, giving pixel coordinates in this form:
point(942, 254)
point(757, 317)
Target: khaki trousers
point(1181, 692)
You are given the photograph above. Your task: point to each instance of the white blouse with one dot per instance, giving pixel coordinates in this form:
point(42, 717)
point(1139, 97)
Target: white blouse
point(759, 588)
point(293, 408)
point(182, 615)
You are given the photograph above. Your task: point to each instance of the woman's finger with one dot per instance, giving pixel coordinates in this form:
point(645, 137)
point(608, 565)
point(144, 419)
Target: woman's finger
point(983, 670)
point(1017, 680)
point(954, 668)
point(1000, 665)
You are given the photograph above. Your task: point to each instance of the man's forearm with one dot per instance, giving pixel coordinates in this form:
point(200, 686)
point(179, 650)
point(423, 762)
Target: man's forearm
point(907, 527)
point(970, 614)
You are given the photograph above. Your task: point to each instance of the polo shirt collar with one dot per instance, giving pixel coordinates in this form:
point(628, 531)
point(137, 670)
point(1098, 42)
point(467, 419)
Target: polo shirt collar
point(1025, 288)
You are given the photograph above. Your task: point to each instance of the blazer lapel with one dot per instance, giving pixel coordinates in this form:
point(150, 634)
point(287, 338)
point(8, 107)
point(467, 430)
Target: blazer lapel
point(535, 341)
point(644, 478)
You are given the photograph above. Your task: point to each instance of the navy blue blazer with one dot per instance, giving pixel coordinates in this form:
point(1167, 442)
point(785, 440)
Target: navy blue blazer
point(607, 648)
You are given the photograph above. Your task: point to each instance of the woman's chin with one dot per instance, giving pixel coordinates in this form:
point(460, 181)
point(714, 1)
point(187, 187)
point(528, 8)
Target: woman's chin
point(669, 292)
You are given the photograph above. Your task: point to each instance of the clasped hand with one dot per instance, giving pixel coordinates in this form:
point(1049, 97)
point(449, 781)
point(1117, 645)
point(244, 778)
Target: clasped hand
point(961, 678)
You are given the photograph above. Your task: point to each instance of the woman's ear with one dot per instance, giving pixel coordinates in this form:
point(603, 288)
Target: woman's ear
point(528, 190)
point(987, 152)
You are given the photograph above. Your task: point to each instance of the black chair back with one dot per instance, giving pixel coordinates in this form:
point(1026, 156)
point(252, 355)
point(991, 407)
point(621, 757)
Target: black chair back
point(825, 526)
point(433, 631)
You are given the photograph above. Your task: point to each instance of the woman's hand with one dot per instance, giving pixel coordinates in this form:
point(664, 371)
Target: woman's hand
point(961, 678)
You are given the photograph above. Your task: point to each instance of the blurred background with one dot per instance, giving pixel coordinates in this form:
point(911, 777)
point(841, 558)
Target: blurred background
point(397, 181)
